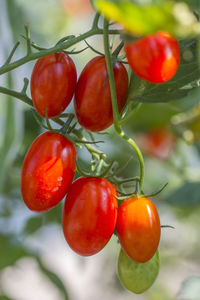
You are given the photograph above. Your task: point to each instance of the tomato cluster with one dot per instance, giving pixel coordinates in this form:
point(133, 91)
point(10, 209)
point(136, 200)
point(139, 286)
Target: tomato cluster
point(90, 212)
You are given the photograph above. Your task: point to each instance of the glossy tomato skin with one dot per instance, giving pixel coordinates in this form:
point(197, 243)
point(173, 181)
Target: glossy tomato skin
point(138, 228)
point(47, 172)
point(154, 58)
point(53, 83)
point(92, 103)
point(89, 215)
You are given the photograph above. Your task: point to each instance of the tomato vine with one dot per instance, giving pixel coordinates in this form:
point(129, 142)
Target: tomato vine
point(93, 196)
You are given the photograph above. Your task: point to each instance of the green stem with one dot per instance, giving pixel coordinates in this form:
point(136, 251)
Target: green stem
point(33, 56)
point(21, 96)
point(137, 149)
point(65, 45)
point(116, 116)
point(110, 73)
point(24, 98)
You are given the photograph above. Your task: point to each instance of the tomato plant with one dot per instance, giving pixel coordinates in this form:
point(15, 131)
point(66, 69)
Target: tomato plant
point(47, 172)
point(89, 215)
point(155, 57)
point(92, 101)
point(138, 228)
point(53, 83)
point(104, 96)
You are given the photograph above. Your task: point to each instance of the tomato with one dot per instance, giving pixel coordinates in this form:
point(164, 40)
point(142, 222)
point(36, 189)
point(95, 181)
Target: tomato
point(89, 215)
point(154, 58)
point(76, 8)
point(47, 172)
point(158, 143)
point(53, 83)
point(92, 103)
point(138, 228)
point(137, 277)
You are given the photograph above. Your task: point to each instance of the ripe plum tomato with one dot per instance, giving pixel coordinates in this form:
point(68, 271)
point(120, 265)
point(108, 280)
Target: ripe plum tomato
point(138, 228)
point(47, 172)
point(89, 215)
point(53, 83)
point(92, 103)
point(155, 57)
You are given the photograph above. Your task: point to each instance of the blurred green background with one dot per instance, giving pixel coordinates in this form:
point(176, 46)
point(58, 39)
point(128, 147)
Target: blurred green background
point(35, 261)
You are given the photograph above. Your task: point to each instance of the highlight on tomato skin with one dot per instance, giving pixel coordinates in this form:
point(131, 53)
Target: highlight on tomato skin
point(47, 172)
point(155, 57)
point(138, 228)
point(92, 101)
point(53, 83)
point(89, 215)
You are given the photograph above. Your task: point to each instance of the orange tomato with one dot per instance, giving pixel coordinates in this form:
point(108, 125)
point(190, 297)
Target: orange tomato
point(138, 228)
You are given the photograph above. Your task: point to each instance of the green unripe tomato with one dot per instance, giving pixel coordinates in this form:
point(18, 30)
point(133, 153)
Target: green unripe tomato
point(137, 277)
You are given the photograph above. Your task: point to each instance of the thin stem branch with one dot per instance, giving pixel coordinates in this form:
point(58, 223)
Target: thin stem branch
point(116, 116)
point(12, 53)
point(137, 149)
point(21, 96)
point(57, 48)
point(28, 40)
point(110, 73)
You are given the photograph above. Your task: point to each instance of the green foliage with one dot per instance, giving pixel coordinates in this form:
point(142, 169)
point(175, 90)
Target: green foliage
point(3, 297)
point(16, 17)
point(182, 84)
point(190, 289)
point(141, 18)
point(137, 277)
point(52, 216)
point(187, 194)
point(10, 251)
point(193, 4)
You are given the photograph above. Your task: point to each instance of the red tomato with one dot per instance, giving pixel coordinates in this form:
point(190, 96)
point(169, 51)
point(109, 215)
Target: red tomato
point(138, 228)
point(53, 83)
point(92, 103)
point(158, 143)
point(47, 172)
point(155, 57)
point(89, 215)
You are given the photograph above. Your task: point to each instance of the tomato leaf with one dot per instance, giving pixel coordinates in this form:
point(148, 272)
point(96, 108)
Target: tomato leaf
point(181, 85)
point(33, 224)
point(186, 195)
point(10, 251)
point(190, 289)
point(52, 216)
point(137, 277)
point(4, 297)
point(144, 18)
